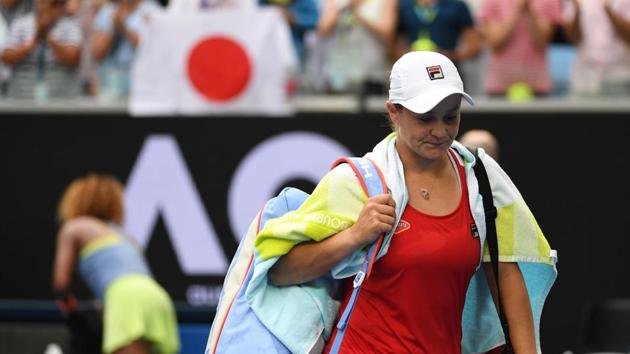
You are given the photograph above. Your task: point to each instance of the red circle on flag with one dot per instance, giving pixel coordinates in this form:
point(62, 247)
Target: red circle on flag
point(219, 68)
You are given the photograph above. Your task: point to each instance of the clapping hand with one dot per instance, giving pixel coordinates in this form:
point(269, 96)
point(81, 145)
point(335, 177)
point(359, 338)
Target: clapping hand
point(48, 15)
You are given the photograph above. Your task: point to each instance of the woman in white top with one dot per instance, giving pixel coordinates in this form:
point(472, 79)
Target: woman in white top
point(360, 31)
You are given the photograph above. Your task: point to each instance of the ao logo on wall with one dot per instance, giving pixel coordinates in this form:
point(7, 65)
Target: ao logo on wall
point(160, 184)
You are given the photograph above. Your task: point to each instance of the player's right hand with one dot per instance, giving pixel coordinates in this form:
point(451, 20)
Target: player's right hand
point(377, 217)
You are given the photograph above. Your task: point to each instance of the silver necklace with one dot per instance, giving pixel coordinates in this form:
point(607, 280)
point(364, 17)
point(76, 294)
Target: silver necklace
point(426, 193)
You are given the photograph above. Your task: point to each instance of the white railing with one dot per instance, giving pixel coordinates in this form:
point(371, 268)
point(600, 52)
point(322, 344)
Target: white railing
point(339, 104)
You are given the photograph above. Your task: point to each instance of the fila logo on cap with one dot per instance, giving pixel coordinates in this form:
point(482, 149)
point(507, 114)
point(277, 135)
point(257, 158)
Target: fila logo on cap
point(435, 72)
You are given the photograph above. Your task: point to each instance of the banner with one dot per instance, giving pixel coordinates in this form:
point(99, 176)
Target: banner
point(214, 62)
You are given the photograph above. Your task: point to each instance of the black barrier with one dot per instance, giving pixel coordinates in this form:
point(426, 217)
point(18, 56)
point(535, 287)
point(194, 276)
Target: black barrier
point(570, 167)
point(35, 326)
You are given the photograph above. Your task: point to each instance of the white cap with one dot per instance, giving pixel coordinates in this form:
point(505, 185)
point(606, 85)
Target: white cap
point(420, 80)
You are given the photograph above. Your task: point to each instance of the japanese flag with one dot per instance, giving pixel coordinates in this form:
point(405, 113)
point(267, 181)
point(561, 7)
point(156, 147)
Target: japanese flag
point(217, 62)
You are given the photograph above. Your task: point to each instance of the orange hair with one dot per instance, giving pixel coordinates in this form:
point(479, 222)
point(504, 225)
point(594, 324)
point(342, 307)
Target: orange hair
point(99, 196)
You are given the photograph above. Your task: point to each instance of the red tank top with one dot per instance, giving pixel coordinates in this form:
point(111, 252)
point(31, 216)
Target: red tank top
point(414, 298)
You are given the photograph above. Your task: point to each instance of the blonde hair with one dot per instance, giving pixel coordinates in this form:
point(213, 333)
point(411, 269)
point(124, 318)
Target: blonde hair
point(99, 196)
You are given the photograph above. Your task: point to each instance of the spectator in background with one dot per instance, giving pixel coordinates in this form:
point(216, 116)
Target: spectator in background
point(445, 26)
point(601, 31)
point(474, 69)
point(44, 49)
point(519, 33)
point(114, 43)
point(85, 11)
point(301, 15)
point(479, 138)
point(360, 31)
point(10, 10)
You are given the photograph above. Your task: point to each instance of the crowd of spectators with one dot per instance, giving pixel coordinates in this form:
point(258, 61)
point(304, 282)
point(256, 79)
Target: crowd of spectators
point(69, 48)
